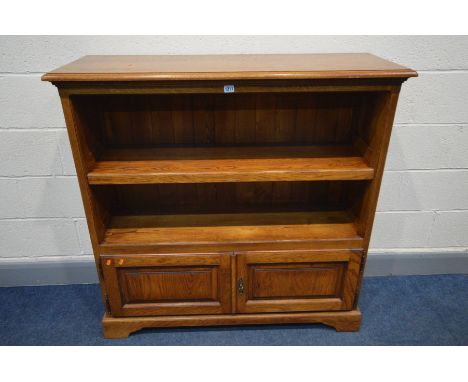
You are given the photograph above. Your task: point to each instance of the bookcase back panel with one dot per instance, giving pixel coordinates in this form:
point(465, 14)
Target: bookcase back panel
point(229, 197)
point(224, 119)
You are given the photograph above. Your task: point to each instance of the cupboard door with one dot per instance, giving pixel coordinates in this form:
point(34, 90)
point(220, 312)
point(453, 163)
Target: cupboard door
point(173, 284)
point(296, 281)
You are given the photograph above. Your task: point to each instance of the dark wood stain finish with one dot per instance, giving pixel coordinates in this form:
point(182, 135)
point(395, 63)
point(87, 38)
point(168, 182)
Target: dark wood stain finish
point(152, 285)
point(288, 281)
point(207, 208)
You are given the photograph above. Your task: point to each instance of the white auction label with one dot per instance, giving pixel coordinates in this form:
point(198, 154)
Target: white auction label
point(229, 89)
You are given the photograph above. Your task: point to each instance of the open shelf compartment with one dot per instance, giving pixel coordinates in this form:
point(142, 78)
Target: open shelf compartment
point(232, 229)
point(231, 215)
point(194, 138)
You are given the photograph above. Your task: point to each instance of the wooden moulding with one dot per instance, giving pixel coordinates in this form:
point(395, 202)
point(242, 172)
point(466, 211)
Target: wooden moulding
point(222, 67)
point(115, 327)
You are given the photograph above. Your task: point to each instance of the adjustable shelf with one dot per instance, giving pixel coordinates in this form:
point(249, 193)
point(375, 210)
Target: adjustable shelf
point(229, 189)
point(229, 164)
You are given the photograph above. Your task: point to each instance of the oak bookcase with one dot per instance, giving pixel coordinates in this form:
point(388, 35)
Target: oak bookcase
point(236, 189)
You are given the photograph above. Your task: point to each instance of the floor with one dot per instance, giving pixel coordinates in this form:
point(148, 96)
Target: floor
point(398, 310)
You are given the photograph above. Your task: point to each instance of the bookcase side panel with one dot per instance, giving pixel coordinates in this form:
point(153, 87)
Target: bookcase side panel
point(93, 210)
point(381, 123)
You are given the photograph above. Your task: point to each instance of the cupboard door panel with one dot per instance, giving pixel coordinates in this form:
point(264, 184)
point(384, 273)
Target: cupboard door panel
point(141, 285)
point(296, 281)
point(286, 281)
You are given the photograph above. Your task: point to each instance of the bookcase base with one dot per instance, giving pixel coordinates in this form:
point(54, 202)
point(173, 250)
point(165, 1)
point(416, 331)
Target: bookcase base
point(122, 327)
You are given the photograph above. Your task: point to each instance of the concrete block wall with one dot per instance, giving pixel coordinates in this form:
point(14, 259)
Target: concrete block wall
point(424, 200)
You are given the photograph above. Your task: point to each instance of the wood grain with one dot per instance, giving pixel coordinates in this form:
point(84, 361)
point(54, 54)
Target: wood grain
point(218, 229)
point(229, 164)
point(291, 281)
point(142, 285)
point(201, 120)
point(121, 327)
point(227, 67)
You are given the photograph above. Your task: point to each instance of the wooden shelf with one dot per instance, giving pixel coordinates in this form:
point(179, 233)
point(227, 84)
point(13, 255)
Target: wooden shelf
point(229, 164)
point(232, 229)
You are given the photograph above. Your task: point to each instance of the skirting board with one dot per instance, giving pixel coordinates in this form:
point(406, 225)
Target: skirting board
point(82, 271)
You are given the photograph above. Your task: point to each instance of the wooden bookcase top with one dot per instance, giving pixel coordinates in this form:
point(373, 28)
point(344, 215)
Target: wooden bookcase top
point(221, 67)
